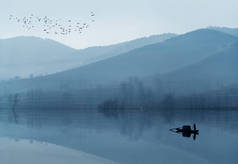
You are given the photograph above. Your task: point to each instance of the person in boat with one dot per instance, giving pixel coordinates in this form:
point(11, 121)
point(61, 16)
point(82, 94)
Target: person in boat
point(187, 131)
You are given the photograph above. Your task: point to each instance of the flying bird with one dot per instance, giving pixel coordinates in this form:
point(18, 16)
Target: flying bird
point(50, 25)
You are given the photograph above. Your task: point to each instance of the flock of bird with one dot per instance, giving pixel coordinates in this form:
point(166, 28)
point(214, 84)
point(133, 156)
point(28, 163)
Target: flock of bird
point(52, 26)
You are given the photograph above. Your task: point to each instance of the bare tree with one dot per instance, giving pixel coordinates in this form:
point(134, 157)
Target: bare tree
point(14, 100)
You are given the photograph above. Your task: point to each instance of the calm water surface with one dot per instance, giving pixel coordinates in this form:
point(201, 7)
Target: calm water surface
point(133, 138)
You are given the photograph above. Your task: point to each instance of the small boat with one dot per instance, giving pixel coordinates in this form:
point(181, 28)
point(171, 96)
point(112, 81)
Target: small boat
point(186, 131)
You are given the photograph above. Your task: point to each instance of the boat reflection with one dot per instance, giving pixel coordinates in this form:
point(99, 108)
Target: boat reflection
point(186, 131)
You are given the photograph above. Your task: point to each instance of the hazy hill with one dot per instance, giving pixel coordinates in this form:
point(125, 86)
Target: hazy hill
point(162, 58)
point(213, 72)
point(22, 56)
point(103, 52)
point(231, 31)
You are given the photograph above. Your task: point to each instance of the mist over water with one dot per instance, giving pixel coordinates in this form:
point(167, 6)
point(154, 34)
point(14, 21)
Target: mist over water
point(132, 137)
point(161, 99)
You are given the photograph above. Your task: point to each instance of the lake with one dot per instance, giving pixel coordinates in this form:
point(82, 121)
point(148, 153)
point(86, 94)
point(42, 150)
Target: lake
point(134, 137)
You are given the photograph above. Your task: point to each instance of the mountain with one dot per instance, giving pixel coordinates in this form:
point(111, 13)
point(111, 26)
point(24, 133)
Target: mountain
point(231, 31)
point(211, 73)
point(103, 52)
point(161, 58)
point(22, 56)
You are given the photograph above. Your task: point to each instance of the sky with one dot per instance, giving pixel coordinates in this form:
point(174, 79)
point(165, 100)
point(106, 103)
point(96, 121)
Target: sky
point(120, 20)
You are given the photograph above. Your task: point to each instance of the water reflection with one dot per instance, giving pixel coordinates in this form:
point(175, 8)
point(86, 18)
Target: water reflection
point(187, 131)
point(27, 152)
point(133, 137)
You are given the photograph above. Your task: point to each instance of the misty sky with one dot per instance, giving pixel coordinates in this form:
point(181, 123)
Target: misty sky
point(121, 20)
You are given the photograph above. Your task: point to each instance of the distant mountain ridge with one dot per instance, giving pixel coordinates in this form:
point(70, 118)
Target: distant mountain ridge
point(231, 31)
point(162, 58)
point(213, 72)
point(103, 52)
point(22, 56)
